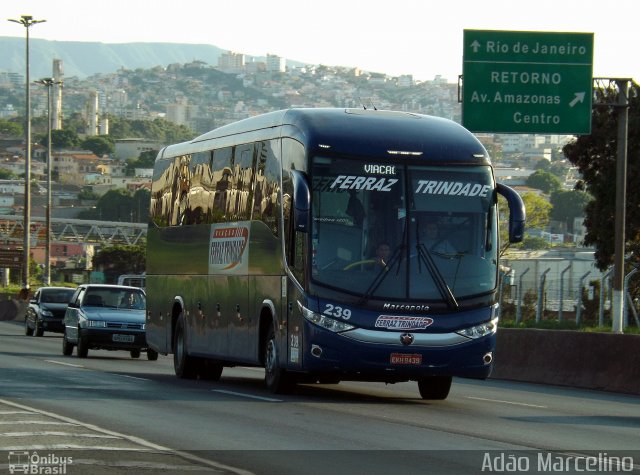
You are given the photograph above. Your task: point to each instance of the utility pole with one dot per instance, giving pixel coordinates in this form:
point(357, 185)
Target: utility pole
point(27, 21)
point(48, 83)
point(614, 92)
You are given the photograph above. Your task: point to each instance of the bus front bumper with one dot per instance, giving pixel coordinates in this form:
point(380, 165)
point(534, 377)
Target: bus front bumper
point(397, 356)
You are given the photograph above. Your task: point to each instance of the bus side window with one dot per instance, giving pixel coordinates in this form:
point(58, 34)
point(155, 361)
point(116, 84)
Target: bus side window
point(267, 193)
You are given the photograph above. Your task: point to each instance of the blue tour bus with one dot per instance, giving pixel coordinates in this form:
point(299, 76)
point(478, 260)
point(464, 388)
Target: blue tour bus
point(262, 250)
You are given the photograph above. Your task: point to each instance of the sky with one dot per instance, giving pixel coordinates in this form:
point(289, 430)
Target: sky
point(418, 37)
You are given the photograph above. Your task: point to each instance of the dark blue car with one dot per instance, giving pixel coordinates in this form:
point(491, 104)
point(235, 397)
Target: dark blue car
point(46, 310)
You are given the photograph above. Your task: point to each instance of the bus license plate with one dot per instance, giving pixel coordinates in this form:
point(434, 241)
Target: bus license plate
point(123, 338)
point(404, 358)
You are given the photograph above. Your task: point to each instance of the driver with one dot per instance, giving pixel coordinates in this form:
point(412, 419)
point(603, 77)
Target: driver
point(383, 253)
point(430, 237)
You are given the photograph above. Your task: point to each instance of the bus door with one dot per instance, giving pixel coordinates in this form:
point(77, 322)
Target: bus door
point(293, 323)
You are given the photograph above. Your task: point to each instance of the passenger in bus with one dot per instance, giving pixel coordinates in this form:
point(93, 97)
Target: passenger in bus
point(431, 239)
point(355, 209)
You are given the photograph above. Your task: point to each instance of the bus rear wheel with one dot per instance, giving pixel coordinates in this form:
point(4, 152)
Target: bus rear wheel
point(434, 387)
point(185, 366)
point(276, 379)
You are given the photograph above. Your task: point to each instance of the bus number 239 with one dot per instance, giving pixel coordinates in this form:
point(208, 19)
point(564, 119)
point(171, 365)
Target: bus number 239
point(336, 311)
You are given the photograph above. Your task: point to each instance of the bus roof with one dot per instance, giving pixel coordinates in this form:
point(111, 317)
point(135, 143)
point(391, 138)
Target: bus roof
point(366, 132)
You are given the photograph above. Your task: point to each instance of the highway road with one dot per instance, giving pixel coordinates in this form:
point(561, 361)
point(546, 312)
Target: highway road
point(113, 414)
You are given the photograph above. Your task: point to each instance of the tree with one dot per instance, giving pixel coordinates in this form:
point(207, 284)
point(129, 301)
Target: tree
point(62, 138)
point(538, 211)
point(10, 129)
point(7, 174)
point(544, 181)
point(595, 157)
point(145, 160)
point(114, 205)
point(120, 259)
point(99, 144)
point(568, 205)
point(157, 129)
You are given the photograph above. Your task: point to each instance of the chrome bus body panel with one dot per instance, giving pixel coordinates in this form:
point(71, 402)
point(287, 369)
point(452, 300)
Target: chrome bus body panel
point(393, 338)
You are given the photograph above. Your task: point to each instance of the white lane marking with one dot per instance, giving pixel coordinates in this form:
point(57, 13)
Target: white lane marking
point(40, 423)
point(507, 402)
point(233, 393)
point(8, 413)
point(101, 448)
point(57, 433)
point(64, 364)
point(133, 439)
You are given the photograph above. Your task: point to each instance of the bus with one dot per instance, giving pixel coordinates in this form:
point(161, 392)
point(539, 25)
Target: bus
point(261, 241)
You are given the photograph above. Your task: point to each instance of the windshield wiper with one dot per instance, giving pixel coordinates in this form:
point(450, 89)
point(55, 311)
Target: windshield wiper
point(384, 272)
point(425, 256)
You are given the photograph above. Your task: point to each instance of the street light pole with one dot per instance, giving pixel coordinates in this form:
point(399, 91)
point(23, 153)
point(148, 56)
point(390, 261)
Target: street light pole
point(48, 83)
point(27, 21)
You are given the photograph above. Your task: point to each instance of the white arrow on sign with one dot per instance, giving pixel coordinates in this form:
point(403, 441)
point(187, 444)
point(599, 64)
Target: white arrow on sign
point(475, 45)
point(579, 98)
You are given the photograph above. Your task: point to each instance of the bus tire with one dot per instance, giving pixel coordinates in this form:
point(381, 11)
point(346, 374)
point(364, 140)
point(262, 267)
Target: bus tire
point(152, 355)
point(434, 387)
point(211, 370)
point(276, 379)
point(185, 366)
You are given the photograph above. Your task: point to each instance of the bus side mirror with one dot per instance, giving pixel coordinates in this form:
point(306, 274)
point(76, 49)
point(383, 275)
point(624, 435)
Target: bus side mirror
point(301, 201)
point(517, 213)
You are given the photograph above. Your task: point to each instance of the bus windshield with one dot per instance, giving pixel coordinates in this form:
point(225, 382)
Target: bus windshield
point(395, 231)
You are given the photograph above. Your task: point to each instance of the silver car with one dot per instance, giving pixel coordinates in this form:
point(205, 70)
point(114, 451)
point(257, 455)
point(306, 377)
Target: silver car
point(106, 317)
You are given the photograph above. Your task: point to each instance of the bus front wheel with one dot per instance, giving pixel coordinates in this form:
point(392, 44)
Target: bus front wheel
point(276, 379)
point(434, 387)
point(184, 365)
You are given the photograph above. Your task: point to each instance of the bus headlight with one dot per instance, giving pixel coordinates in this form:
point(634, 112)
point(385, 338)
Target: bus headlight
point(324, 321)
point(478, 331)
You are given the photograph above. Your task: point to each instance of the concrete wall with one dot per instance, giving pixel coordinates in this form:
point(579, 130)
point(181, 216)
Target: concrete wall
point(602, 361)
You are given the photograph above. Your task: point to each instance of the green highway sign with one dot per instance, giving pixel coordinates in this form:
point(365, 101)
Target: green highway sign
point(527, 82)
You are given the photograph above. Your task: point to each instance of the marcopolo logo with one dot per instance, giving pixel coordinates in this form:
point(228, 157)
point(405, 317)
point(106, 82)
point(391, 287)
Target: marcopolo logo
point(33, 463)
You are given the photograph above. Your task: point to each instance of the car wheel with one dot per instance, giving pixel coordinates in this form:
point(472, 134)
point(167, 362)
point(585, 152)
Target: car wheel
point(39, 331)
point(135, 353)
point(67, 348)
point(152, 355)
point(185, 366)
point(434, 387)
point(276, 379)
point(27, 329)
point(83, 346)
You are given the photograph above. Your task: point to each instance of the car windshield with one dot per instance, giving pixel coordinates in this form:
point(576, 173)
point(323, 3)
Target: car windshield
point(403, 232)
point(56, 295)
point(115, 298)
